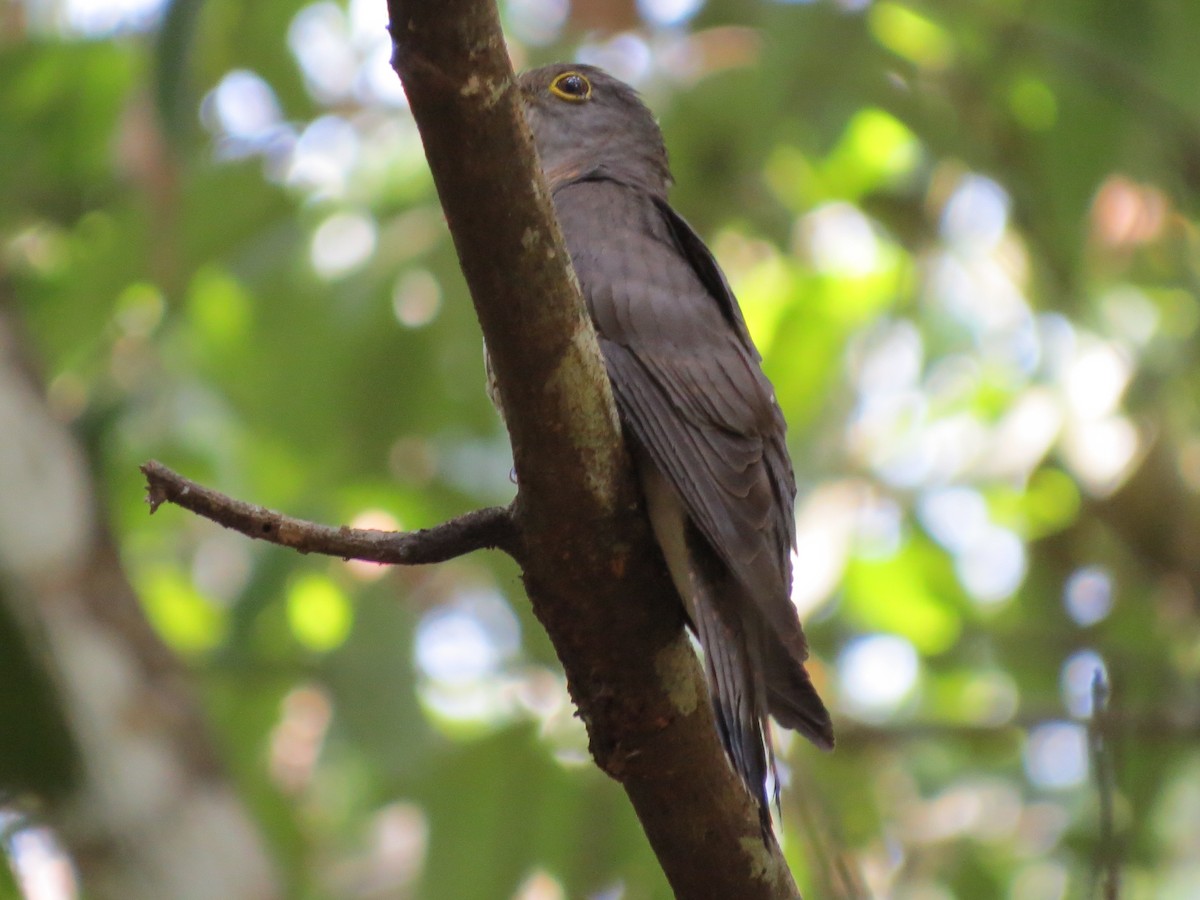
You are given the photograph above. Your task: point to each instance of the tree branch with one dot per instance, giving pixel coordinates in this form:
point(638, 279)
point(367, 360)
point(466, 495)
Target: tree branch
point(488, 528)
point(594, 576)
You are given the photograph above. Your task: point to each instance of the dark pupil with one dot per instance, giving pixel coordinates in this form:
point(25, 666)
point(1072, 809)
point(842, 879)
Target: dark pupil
point(573, 85)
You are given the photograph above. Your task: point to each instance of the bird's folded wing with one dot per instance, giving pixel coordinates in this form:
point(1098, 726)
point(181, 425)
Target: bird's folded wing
point(725, 483)
point(688, 382)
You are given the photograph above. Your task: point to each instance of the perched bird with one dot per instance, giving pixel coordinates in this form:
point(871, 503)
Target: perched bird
point(705, 429)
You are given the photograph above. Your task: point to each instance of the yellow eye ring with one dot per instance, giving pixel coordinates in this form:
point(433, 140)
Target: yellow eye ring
point(572, 87)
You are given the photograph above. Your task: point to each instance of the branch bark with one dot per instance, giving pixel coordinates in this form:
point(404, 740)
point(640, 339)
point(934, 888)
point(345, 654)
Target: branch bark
point(594, 576)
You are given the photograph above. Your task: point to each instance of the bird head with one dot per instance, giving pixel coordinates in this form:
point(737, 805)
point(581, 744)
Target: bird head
point(584, 122)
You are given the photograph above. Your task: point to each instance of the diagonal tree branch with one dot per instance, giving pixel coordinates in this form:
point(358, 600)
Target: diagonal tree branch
point(482, 529)
point(593, 574)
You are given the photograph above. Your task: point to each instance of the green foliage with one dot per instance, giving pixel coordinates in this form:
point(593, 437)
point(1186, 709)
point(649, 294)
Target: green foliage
point(965, 237)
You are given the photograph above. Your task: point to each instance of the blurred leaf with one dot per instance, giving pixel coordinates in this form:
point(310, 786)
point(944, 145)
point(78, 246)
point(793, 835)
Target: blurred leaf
point(319, 613)
point(190, 622)
point(905, 594)
point(909, 34)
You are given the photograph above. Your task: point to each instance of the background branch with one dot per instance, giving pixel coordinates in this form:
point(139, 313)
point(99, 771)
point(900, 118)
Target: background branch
point(101, 724)
point(1107, 870)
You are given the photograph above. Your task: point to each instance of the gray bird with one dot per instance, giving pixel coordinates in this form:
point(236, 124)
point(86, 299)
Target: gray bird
point(705, 430)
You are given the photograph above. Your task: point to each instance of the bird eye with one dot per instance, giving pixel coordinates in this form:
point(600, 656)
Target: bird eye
point(571, 86)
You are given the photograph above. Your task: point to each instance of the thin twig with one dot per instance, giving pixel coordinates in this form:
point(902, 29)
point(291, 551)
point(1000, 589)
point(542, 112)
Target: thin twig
point(493, 527)
point(1106, 879)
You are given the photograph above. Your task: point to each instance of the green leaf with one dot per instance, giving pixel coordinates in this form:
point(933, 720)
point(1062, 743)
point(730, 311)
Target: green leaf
point(319, 613)
point(908, 594)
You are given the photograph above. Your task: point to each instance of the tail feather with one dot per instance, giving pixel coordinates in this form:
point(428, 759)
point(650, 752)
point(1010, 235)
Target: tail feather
point(735, 699)
point(732, 642)
point(750, 674)
point(793, 700)
point(749, 669)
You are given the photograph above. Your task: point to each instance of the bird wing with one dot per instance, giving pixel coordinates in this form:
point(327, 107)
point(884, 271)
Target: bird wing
point(688, 382)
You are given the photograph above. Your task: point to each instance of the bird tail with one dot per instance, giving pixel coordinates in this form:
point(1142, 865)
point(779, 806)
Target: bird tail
point(736, 687)
point(792, 699)
point(750, 673)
